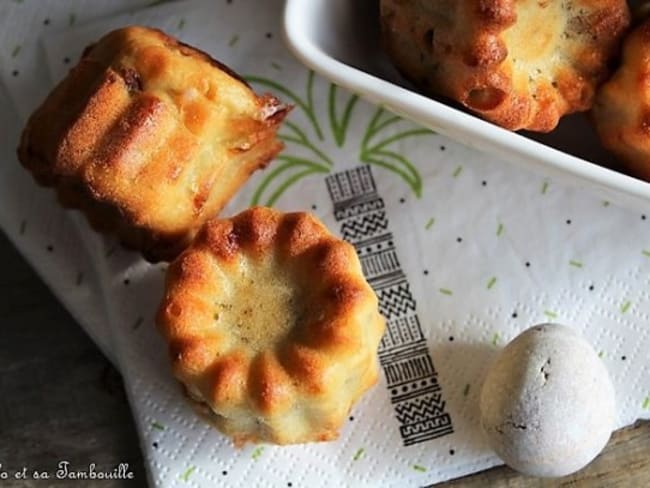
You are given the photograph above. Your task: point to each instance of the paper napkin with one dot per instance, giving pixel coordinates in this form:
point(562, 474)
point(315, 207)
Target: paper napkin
point(464, 251)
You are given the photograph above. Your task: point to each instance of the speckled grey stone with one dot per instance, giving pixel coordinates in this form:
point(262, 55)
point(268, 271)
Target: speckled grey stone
point(547, 402)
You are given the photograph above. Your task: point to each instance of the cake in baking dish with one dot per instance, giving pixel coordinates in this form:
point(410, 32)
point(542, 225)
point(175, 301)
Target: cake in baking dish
point(271, 326)
point(521, 64)
point(622, 109)
point(149, 137)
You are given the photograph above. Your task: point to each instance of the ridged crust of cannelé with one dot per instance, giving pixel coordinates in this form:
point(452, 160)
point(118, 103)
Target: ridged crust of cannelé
point(149, 138)
point(272, 328)
point(521, 64)
point(622, 109)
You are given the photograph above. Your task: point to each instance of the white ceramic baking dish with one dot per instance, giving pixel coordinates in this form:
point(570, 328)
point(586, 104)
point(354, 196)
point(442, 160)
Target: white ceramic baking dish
point(340, 40)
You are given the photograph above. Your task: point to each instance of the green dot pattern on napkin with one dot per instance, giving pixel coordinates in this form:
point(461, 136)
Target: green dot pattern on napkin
point(488, 250)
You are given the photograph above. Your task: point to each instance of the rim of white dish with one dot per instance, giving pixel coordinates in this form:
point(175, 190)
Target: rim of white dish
point(451, 122)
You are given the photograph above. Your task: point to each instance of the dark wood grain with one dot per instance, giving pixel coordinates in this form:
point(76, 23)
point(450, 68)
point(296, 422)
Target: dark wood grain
point(625, 462)
point(60, 399)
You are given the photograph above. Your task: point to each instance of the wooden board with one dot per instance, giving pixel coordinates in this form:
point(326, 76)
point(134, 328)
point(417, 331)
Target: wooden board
point(60, 399)
point(625, 462)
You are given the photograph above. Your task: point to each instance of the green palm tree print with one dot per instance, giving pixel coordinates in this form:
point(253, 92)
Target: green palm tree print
point(376, 147)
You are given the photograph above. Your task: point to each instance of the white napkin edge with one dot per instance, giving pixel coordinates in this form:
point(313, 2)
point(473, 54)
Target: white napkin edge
point(28, 251)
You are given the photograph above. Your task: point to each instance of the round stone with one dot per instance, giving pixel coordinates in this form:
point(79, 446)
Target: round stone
point(547, 403)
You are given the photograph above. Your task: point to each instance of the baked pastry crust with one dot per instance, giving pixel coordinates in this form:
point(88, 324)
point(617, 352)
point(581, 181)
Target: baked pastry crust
point(621, 112)
point(272, 328)
point(521, 64)
point(149, 137)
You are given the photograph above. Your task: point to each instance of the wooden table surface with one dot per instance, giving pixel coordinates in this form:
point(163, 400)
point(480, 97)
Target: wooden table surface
point(60, 399)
